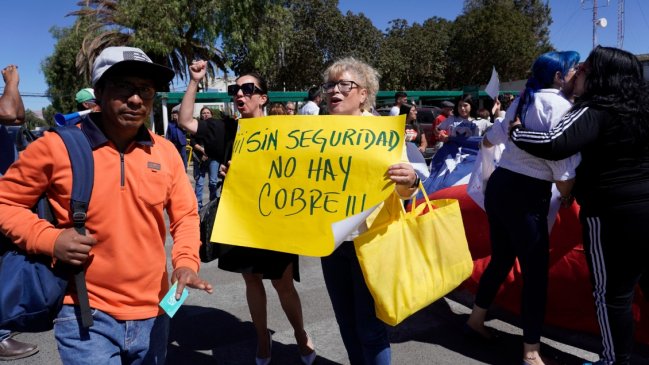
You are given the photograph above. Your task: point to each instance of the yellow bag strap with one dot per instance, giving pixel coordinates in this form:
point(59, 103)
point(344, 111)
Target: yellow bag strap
point(414, 200)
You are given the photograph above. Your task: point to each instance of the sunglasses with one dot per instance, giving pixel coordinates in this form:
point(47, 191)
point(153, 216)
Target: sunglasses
point(247, 89)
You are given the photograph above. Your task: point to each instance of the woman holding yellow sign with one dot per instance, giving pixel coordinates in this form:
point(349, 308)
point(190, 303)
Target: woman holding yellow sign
point(350, 89)
point(250, 96)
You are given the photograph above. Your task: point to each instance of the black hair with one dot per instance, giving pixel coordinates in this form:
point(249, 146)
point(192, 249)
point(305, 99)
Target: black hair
point(615, 82)
point(405, 108)
point(263, 84)
point(314, 92)
point(466, 98)
point(399, 94)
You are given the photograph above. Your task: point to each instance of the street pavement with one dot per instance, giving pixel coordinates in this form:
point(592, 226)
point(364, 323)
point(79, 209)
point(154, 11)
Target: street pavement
point(216, 329)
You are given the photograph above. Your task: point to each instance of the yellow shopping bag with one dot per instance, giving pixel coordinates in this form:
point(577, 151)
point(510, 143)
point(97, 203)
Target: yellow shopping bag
point(410, 259)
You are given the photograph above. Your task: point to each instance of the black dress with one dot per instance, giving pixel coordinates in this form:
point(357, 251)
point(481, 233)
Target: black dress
point(270, 264)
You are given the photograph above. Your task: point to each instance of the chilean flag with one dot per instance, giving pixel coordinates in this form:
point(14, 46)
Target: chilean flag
point(570, 300)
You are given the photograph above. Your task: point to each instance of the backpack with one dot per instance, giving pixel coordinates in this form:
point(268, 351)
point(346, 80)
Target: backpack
point(31, 289)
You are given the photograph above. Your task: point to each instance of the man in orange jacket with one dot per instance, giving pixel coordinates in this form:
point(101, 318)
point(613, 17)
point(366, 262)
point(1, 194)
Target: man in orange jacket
point(138, 176)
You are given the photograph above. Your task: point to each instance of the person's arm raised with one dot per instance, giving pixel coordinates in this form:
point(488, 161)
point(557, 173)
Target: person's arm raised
point(185, 118)
point(12, 110)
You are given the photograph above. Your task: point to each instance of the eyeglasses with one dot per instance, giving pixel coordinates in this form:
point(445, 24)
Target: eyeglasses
point(247, 89)
point(344, 86)
point(126, 89)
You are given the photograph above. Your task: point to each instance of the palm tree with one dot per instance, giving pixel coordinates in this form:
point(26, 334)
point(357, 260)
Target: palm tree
point(171, 32)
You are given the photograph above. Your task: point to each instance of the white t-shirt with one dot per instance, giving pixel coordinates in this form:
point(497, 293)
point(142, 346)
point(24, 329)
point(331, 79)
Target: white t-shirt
point(394, 111)
point(310, 108)
point(547, 110)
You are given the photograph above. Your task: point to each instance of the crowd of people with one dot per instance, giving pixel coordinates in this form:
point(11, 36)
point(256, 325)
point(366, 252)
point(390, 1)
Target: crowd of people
point(583, 126)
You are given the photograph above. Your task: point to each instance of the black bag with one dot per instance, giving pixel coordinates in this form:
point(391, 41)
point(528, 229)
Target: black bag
point(209, 251)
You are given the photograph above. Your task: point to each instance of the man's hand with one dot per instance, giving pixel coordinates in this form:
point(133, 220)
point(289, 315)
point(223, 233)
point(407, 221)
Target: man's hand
point(188, 277)
point(72, 248)
point(197, 70)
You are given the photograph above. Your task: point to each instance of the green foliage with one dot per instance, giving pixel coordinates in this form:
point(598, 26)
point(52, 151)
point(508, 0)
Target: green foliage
point(171, 32)
point(291, 42)
point(254, 34)
point(500, 33)
point(48, 115)
point(414, 57)
point(32, 120)
point(319, 35)
point(59, 69)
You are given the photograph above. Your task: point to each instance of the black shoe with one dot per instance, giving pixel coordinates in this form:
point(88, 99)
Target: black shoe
point(11, 349)
point(472, 334)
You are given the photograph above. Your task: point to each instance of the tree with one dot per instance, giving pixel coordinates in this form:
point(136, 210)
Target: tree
point(498, 33)
point(309, 45)
point(48, 115)
point(358, 38)
point(320, 34)
point(394, 56)
point(537, 11)
point(254, 33)
point(171, 32)
point(414, 58)
point(32, 120)
point(60, 72)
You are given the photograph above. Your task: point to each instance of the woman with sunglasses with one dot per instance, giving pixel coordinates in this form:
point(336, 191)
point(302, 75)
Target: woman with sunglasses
point(250, 96)
point(609, 125)
point(350, 89)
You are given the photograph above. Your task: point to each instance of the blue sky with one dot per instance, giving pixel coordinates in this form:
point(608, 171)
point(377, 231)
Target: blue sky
point(26, 40)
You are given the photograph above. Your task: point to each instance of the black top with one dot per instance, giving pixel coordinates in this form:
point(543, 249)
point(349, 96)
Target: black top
point(614, 171)
point(216, 135)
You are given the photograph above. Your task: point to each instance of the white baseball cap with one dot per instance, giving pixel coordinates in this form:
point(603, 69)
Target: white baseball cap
point(130, 61)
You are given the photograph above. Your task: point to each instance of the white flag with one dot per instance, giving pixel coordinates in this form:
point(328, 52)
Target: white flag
point(493, 87)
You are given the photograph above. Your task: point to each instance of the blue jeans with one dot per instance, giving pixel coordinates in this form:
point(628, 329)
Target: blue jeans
point(365, 337)
point(211, 167)
point(110, 341)
point(4, 334)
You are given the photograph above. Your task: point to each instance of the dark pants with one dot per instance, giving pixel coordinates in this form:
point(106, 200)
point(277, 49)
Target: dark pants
point(617, 250)
point(517, 208)
point(365, 337)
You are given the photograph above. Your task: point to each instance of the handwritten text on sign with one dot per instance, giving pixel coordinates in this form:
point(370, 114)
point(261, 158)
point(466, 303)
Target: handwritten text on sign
point(292, 177)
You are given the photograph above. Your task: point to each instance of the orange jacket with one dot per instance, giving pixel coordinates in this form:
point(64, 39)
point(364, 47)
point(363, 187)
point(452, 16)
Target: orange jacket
point(126, 272)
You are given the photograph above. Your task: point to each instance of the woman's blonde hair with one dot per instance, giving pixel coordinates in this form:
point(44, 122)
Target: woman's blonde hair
point(368, 77)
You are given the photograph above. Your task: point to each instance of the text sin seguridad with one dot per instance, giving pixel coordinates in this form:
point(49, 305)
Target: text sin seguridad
point(311, 200)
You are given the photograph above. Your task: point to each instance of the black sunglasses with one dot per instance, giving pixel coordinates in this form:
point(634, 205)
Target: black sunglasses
point(247, 89)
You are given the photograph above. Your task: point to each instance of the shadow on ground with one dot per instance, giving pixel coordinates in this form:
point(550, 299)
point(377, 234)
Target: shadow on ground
point(206, 335)
point(438, 324)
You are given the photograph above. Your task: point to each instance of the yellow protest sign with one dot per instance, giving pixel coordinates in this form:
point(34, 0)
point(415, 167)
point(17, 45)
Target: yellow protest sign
point(292, 177)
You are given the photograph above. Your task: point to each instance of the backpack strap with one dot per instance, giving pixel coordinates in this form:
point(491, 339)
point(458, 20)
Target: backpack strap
point(82, 163)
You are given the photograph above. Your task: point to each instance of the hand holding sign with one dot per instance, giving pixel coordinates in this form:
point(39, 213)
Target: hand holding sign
point(291, 179)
